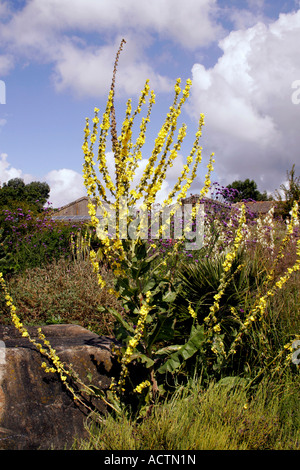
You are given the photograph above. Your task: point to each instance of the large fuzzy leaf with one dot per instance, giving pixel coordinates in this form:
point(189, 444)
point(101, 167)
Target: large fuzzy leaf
point(187, 350)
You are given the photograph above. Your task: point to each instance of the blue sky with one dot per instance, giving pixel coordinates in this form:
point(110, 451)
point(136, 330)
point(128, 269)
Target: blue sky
point(56, 60)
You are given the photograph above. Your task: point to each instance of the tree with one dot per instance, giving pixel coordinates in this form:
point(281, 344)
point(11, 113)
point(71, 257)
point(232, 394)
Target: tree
point(37, 193)
point(245, 190)
point(14, 188)
point(291, 192)
point(34, 194)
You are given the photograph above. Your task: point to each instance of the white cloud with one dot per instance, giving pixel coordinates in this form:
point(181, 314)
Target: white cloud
point(171, 19)
point(65, 186)
point(6, 64)
point(49, 30)
point(251, 122)
point(88, 71)
point(8, 172)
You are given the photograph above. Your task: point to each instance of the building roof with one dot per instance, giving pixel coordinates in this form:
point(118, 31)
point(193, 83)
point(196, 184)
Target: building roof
point(78, 210)
point(258, 207)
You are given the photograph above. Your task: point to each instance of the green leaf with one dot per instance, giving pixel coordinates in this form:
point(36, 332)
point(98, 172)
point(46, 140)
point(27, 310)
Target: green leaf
point(171, 365)
point(164, 330)
point(149, 285)
point(120, 319)
point(144, 359)
point(169, 297)
point(144, 267)
point(141, 252)
point(166, 351)
point(186, 351)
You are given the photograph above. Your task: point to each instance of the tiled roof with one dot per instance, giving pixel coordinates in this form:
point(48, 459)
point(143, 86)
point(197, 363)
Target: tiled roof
point(206, 200)
point(259, 207)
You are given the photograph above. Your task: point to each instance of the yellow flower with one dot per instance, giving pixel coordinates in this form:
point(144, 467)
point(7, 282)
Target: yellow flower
point(139, 388)
point(192, 312)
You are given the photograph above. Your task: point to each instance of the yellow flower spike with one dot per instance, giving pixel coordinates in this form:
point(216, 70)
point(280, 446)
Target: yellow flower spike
point(139, 388)
point(192, 311)
point(261, 304)
point(161, 140)
point(289, 232)
point(177, 87)
point(217, 328)
point(227, 264)
point(134, 341)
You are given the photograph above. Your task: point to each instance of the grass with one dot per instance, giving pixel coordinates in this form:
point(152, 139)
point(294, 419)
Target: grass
point(220, 417)
point(63, 292)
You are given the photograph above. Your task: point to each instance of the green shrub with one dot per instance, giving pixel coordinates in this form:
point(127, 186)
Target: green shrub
point(30, 239)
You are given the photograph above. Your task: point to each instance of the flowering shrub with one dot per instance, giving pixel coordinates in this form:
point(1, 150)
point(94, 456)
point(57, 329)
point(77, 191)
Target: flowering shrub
point(29, 239)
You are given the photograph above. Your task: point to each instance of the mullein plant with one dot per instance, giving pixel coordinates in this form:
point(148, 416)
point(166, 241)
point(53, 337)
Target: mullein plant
point(127, 155)
point(80, 245)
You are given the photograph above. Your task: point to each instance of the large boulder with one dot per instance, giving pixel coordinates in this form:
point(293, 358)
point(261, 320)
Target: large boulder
point(36, 409)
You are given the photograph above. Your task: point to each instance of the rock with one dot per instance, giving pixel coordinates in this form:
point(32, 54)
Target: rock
point(36, 409)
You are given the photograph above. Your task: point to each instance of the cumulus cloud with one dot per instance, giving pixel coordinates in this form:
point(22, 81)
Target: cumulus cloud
point(251, 122)
point(6, 64)
point(8, 172)
point(53, 31)
point(65, 186)
point(171, 19)
point(87, 71)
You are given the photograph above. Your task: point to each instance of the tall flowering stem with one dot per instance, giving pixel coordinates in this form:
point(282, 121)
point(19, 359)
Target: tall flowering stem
point(134, 341)
point(127, 155)
point(258, 310)
point(227, 264)
point(114, 134)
